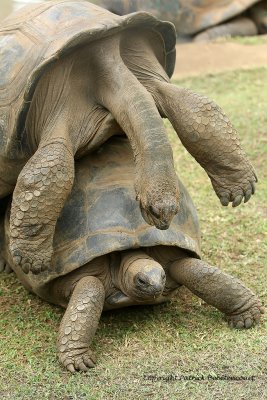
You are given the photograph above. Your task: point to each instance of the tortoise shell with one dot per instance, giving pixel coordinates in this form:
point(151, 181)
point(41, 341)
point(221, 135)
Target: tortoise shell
point(189, 16)
point(102, 216)
point(36, 36)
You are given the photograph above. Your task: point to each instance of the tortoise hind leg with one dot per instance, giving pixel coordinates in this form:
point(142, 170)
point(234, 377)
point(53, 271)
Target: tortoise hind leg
point(79, 324)
point(210, 138)
point(228, 294)
point(38, 198)
point(200, 124)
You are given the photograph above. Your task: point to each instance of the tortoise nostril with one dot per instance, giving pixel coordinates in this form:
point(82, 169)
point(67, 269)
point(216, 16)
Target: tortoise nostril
point(154, 211)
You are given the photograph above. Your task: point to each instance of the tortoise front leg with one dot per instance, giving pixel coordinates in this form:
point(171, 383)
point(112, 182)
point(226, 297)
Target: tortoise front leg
point(210, 138)
point(79, 324)
point(116, 89)
point(223, 291)
point(40, 193)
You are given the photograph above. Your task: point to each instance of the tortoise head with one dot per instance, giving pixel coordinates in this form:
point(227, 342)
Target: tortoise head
point(142, 278)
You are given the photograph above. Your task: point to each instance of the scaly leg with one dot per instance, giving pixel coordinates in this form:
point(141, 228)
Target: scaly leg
point(200, 124)
point(79, 324)
point(210, 138)
point(40, 193)
point(116, 89)
point(228, 294)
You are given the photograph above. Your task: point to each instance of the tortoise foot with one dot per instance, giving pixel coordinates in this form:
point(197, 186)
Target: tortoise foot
point(30, 258)
point(246, 319)
point(77, 359)
point(79, 324)
point(234, 186)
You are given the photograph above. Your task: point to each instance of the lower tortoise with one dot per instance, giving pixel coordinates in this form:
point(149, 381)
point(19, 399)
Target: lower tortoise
point(106, 256)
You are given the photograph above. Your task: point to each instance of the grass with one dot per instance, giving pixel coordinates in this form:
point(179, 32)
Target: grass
point(246, 40)
point(158, 352)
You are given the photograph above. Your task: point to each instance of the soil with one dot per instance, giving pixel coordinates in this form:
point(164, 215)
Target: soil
point(204, 58)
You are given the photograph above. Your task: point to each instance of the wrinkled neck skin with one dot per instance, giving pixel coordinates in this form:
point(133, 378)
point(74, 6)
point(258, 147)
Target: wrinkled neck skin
point(140, 277)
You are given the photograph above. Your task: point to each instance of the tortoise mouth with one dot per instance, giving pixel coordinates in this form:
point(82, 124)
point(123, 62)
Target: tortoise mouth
point(146, 294)
point(145, 299)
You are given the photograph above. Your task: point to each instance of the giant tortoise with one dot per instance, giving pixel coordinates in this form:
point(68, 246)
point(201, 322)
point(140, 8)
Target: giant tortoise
point(106, 256)
point(71, 75)
point(207, 19)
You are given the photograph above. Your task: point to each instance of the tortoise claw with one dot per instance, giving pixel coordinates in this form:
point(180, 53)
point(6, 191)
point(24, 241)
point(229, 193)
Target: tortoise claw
point(78, 362)
point(246, 319)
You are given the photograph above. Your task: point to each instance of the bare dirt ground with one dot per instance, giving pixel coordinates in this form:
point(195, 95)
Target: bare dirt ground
point(204, 58)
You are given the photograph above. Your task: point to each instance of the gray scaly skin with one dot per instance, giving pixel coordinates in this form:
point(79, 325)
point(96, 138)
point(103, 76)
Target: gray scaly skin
point(240, 305)
point(148, 276)
point(44, 182)
point(79, 324)
point(201, 125)
point(70, 115)
point(137, 278)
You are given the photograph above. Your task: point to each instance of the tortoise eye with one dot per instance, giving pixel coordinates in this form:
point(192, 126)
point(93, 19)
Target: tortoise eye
point(140, 280)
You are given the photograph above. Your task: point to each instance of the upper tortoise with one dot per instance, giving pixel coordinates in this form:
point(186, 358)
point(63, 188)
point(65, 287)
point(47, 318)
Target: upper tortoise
point(72, 75)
